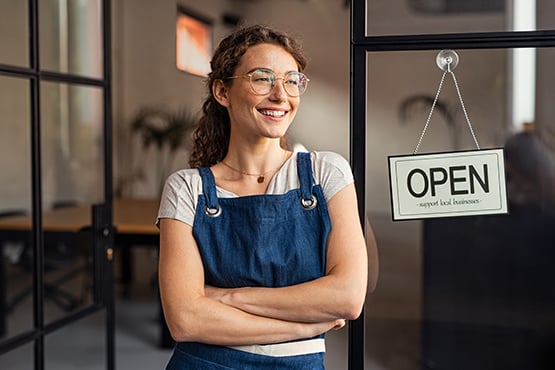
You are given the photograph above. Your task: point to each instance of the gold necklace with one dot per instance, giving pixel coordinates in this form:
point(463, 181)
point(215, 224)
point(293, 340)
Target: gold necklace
point(260, 176)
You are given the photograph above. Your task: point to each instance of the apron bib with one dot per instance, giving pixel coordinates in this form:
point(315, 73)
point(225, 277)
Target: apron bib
point(270, 240)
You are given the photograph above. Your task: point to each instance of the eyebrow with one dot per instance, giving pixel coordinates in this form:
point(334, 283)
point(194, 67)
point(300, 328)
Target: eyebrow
point(269, 69)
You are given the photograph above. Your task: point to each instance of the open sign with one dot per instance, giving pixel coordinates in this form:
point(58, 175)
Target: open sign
point(448, 184)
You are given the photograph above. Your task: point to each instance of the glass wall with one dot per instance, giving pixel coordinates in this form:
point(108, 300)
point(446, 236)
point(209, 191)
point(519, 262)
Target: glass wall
point(53, 159)
point(15, 201)
point(70, 34)
point(426, 17)
point(463, 292)
point(72, 161)
point(14, 33)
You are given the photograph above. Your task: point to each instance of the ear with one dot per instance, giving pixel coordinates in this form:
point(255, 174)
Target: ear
point(219, 90)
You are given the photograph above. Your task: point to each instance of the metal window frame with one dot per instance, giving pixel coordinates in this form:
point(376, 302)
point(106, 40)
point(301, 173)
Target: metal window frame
point(361, 44)
point(101, 214)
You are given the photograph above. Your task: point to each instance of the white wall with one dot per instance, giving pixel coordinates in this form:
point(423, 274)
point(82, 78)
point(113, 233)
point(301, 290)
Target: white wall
point(145, 75)
point(15, 141)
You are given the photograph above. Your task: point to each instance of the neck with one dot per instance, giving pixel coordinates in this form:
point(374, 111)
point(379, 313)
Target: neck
point(249, 165)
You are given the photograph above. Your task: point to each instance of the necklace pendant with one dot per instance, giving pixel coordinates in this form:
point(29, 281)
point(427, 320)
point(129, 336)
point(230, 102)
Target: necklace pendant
point(260, 179)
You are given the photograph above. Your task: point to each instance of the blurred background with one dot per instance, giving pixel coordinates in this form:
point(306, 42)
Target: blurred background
point(459, 293)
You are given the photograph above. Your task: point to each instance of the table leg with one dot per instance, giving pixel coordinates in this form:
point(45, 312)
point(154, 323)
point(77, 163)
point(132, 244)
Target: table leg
point(126, 269)
point(3, 312)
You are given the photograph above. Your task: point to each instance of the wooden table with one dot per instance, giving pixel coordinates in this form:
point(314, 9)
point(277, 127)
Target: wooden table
point(133, 220)
point(131, 216)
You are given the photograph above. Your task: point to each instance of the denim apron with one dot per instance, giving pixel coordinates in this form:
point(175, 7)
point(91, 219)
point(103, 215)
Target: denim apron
point(271, 240)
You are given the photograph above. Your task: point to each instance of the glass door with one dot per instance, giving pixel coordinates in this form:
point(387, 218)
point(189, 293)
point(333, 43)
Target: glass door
point(55, 211)
point(468, 292)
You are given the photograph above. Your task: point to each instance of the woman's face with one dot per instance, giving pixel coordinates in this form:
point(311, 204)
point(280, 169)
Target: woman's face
point(254, 116)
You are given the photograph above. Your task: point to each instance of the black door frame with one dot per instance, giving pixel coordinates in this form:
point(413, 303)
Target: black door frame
point(102, 228)
point(361, 44)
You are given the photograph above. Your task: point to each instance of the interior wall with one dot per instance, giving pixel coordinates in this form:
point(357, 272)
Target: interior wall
point(15, 188)
point(145, 75)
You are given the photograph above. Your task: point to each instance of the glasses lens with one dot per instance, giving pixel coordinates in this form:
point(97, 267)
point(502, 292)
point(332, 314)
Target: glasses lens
point(295, 83)
point(262, 81)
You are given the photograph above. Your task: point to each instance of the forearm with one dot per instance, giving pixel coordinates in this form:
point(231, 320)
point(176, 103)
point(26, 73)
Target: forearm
point(208, 321)
point(323, 299)
point(338, 294)
point(193, 316)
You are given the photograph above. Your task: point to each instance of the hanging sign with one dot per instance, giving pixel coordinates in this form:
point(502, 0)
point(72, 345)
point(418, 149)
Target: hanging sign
point(447, 184)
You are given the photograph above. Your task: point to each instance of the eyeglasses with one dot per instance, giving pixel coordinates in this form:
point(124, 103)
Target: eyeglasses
point(262, 81)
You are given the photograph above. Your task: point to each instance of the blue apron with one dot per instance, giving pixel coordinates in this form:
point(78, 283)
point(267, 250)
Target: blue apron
point(271, 240)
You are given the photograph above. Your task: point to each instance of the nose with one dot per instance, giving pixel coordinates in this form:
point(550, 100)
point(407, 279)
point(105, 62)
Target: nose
point(278, 92)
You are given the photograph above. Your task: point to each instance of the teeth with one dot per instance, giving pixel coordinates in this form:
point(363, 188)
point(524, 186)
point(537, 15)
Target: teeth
point(273, 113)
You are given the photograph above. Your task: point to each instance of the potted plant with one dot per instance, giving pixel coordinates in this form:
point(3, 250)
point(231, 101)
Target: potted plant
point(166, 131)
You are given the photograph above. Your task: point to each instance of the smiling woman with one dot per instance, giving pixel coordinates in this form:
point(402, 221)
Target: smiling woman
point(261, 248)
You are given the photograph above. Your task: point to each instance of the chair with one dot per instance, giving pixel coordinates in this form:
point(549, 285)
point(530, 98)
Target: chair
point(63, 258)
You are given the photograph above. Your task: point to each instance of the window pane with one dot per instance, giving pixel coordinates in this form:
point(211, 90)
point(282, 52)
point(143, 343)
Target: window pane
point(79, 345)
point(20, 358)
point(463, 292)
point(72, 180)
point(412, 17)
point(14, 33)
point(15, 206)
point(71, 36)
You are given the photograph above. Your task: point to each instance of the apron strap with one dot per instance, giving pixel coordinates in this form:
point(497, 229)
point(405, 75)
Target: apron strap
point(304, 170)
point(209, 191)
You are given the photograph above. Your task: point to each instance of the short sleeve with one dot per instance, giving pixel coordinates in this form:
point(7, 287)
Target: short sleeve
point(332, 171)
point(179, 196)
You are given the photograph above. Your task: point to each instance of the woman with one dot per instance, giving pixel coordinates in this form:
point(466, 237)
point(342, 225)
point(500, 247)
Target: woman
point(261, 249)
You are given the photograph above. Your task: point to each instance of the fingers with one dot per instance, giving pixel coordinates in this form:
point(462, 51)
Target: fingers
point(339, 324)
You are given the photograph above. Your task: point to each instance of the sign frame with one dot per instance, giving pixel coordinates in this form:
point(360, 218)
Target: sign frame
point(410, 204)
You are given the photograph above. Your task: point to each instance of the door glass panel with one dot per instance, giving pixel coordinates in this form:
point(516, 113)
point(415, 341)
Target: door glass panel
point(72, 180)
point(463, 292)
point(19, 358)
point(71, 36)
point(16, 304)
point(79, 345)
point(413, 17)
point(14, 33)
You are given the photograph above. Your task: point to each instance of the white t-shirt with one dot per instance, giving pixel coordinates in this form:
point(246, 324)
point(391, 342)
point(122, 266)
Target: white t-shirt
point(182, 188)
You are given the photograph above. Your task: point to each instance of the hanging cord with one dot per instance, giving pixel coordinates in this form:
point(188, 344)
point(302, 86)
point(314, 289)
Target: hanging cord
point(430, 114)
point(434, 105)
point(464, 110)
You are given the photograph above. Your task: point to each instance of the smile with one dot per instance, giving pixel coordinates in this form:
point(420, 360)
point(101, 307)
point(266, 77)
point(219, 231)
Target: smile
point(272, 113)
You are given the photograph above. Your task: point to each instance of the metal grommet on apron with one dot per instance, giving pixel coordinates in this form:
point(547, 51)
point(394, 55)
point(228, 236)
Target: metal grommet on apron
point(212, 208)
point(308, 200)
point(269, 240)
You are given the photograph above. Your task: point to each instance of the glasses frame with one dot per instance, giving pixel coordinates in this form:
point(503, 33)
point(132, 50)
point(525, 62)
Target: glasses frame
point(274, 80)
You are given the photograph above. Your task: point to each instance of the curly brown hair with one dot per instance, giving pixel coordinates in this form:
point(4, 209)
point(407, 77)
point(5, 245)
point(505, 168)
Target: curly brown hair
point(211, 137)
